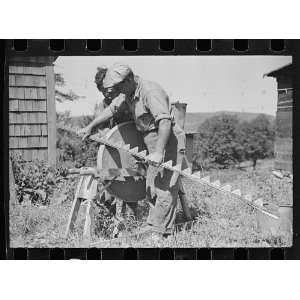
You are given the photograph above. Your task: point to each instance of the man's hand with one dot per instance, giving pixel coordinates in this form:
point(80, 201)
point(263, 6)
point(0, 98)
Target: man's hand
point(156, 158)
point(85, 132)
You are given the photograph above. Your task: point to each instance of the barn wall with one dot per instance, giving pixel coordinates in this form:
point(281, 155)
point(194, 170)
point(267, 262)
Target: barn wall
point(284, 130)
point(29, 108)
point(284, 81)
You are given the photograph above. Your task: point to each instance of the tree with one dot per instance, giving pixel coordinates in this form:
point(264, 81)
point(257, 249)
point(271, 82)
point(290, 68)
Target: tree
point(219, 142)
point(257, 138)
point(62, 95)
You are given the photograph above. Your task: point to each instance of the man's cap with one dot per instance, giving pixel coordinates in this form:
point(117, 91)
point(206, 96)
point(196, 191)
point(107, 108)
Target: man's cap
point(116, 74)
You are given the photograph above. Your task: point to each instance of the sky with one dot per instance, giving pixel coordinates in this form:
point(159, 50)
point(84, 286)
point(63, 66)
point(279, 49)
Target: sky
point(205, 83)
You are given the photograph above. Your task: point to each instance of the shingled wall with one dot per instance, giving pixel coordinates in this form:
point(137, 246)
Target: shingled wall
point(32, 123)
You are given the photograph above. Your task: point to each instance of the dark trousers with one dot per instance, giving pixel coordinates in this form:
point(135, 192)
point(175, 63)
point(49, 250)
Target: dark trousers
point(164, 182)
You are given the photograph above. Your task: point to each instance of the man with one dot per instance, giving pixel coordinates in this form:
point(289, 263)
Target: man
point(121, 208)
point(150, 109)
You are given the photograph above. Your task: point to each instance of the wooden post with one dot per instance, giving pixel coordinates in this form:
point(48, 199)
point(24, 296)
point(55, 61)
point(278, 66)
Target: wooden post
point(89, 215)
point(89, 222)
point(51, 115)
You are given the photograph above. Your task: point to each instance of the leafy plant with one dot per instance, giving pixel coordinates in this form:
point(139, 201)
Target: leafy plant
point(71, 150)
point(35, 181)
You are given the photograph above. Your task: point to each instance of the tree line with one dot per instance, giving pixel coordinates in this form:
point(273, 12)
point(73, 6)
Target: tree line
point(224, 141)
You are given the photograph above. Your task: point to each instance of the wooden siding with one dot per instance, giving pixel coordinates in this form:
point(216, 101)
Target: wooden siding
point(27, 70)
point(27, 80)
point(29, 90)
point(25, 105)
point(51, 115)
point(283, 148)
point(28, 142)
point(27, 118)
point(27, 93)
point(28, 130)
point(284, 125)
point(31, 154)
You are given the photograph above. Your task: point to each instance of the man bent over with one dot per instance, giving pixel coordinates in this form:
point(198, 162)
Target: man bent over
point(149, 106)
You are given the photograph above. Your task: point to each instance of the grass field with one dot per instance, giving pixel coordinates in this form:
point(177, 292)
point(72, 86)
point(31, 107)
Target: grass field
point(220, 220)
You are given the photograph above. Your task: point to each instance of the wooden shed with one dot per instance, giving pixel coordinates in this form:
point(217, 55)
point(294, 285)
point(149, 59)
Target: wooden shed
point(32, 113)
point(284, 118)
point(191, 142)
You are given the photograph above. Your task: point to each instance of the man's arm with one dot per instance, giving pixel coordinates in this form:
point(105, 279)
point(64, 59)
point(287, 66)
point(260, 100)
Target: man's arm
point(158, 104)
point(105, 115)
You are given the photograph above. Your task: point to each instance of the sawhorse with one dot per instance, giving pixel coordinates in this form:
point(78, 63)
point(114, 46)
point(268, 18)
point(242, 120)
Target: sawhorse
point(86, 193)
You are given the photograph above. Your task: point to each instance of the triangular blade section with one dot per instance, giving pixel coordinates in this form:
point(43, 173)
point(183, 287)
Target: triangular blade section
point(259, 202)
point(206, 179)
point(98, 138)
point(237, 192)
point(120, 178)
point(248, 197)
point(142, 154)
point(226, 188)
point(216, 183)
point(136, 178)
point(187, 171)
point(117, 145)
point(134, 150)
point(174, 179)
point(168, 163)
point(104, 136)
point(177, 168)
point(197, 174)
point(126, 147)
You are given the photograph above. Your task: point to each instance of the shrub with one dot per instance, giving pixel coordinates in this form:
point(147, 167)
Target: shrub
point(34, 180)
point(223, 141)
point(219, 142)
point(71, 150)
point(257, 138)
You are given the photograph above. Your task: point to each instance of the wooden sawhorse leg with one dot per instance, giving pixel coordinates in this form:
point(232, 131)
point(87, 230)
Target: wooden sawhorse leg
point(86, 189)
point(74, 209)
point(89, 213)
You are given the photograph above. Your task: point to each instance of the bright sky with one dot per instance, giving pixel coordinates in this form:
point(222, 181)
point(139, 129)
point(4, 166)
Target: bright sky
point(205, 83)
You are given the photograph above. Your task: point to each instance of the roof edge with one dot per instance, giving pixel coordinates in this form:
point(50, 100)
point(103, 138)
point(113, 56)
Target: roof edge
point(272, 73)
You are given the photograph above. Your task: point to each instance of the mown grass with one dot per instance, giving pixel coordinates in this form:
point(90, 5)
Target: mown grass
point(220, 220)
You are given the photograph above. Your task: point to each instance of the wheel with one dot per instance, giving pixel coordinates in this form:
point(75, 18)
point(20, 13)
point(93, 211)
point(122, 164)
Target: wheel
point(130, 190)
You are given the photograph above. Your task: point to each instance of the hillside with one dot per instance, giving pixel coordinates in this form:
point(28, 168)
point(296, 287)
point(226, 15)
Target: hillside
point(194, 120)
